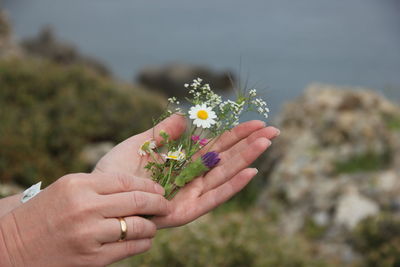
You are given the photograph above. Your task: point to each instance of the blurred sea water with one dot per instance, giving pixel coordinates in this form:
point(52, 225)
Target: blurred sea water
point(281, 45)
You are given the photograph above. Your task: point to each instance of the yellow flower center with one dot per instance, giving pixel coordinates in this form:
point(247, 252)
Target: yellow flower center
point(146, 146)
point(202, 114)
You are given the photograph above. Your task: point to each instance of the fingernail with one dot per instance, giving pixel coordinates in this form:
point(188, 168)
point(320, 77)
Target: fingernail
point(159, 189)
point(255, 170)
point(278, 132)
point(269, 142)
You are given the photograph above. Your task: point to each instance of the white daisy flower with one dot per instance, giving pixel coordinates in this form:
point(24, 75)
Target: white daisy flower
point(176, 155)
point(202, 115)
point(147, 147)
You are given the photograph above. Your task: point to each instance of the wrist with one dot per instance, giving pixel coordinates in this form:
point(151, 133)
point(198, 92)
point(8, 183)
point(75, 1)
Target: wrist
point(9, 203)
point(9, 240)
point(4, 254)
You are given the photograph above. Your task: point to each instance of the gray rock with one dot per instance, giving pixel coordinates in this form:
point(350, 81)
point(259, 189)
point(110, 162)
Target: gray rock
point(8, 46)
point(336, 162)
point(353, 207)
point(47, 45)
point(170, 79)
point(9, 189)
point(92, 153)
point(388, 182)
point(321, 218)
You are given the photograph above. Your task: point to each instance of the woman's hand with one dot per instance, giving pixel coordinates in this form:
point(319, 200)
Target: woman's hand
point(74, 221)
point(238, 149)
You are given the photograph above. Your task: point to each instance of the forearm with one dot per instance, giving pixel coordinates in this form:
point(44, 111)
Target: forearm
point(9, 203)
point(5, 257)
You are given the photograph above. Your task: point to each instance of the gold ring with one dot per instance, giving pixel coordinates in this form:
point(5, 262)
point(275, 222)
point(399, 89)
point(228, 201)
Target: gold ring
point(124, 229)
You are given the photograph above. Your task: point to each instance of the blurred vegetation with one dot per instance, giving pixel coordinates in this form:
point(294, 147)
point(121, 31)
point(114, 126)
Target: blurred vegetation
point(370, 161)
point(378, 240)
point(224, 240)
point(393, 122)
point(312, 230)
point(49, 112)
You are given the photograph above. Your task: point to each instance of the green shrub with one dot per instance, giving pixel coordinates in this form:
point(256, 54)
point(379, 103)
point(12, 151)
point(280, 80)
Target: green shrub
point(229, 239)
point(48, 113)
point(393, 122)
point(370, 161)
point(312, 230)
point(378, 240)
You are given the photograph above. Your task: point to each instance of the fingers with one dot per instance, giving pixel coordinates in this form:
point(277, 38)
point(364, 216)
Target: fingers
point(230, 138)
point(117, 183)
point(133, 203)
point(268, 132)
point(119, 250)
point(138, 228)
point(223, 173)
point(222, 193)
point(174, 125)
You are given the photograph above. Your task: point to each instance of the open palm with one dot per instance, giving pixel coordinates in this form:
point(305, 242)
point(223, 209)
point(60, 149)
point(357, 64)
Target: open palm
point(238, 148)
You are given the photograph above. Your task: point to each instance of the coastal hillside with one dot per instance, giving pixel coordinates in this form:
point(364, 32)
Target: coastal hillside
point(328, 190)
point(59, 118)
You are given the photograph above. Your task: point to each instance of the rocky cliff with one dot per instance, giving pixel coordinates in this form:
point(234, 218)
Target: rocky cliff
point(336, 163)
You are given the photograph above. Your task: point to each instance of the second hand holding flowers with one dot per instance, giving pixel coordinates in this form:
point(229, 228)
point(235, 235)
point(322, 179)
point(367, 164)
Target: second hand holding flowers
point(177, 162)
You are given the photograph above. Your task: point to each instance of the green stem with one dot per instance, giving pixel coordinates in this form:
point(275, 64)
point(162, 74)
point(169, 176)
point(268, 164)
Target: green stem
point(201, 132)
point(169, 173)
point(173, 192)
point(152, 156)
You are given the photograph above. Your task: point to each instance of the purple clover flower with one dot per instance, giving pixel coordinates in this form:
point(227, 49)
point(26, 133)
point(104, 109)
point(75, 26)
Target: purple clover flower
point(210, 159)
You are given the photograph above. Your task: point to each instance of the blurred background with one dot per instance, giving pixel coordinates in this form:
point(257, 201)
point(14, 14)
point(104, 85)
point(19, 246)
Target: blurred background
point(77, 77)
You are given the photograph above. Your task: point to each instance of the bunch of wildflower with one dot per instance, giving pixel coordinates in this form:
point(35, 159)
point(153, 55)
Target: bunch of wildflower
point(177, 162)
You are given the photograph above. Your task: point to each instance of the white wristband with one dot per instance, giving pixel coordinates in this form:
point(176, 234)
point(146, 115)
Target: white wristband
point(31, 192)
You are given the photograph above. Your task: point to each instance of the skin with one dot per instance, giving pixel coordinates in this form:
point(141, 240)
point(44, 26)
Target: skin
point(73, 221)
point(238, 149)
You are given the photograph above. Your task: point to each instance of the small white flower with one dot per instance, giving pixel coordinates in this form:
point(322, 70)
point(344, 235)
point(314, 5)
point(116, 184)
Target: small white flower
point(202, 115)
point(147, 147)
point(172, 100)
point(176, 155)
point(253, 92)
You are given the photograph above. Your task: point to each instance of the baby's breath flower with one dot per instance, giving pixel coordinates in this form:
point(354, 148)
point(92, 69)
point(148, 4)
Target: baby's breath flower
point(178, 110)
point(252, 92)
point(173, 100)
point(261, 106)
